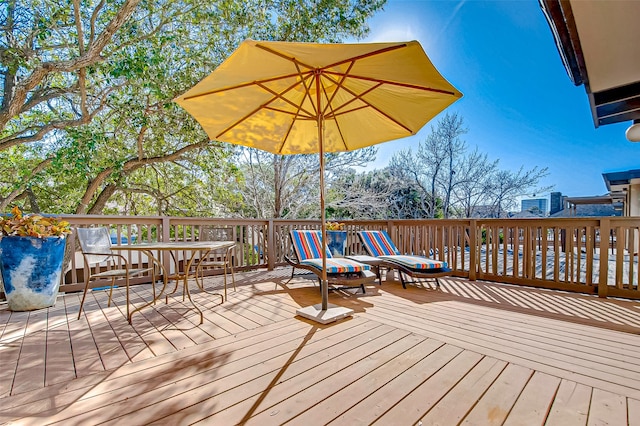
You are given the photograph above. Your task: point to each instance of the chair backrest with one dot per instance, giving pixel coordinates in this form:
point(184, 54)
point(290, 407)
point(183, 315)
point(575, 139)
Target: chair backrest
point(211, 233)
point(378, 243)
point(94, 240)
point(307, 244)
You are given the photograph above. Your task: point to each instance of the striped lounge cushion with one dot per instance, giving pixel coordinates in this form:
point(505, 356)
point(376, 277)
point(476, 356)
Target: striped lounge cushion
point(378, 243)
point(416, 262)
point(307, 244)
point(337, 265)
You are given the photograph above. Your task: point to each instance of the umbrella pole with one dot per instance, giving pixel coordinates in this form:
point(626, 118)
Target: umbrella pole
point(324, 287)
point(323, 313)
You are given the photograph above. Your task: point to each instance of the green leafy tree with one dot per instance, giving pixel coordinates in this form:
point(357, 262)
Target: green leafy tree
point(87, 88)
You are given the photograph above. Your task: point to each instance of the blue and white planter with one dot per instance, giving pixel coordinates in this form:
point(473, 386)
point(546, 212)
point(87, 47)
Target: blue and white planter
point(31, 269)
point(337, 242)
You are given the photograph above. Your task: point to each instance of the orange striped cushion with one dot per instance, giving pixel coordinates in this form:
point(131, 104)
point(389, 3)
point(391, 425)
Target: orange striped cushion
point(337, 265)
point(378, 243)
point(307, 244)
point(418, 263)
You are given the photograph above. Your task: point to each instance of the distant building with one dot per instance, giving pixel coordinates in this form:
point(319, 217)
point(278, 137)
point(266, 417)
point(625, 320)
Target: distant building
point(525, 214)
point(557, 202)
point(534, 203)
point(594, 206)
point(624, 187)
point(589, 210)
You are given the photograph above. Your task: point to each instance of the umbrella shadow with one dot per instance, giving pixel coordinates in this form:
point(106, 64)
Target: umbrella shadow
point(304, 290)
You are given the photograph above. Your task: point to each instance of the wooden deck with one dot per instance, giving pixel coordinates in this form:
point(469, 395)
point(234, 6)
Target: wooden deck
point(471, 352)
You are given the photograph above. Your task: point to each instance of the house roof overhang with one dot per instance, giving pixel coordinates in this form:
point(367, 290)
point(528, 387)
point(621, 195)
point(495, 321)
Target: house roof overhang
point(619, 181)
point(598, 44)
point(599, 199)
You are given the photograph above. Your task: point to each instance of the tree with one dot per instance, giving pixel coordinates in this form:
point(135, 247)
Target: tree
point(442, 179)
point(367, 195)
point(431, 171)
point(507, 185)
point(451, 147)
point(287, 186)
point(87, 88)
point(46, 52)
point(473, 181)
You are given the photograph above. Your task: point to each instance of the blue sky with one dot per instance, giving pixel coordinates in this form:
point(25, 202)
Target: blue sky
point(519, 104)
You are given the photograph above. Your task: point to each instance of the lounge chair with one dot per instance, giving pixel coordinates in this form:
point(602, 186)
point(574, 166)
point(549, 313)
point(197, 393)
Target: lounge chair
point(378, 244)
point(341, 272)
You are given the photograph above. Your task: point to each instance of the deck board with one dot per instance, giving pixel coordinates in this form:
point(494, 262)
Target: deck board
point(30, 370)
point(534, 403)
point(496, 403)
point(472, 352)
point(421, 398)
point(387, 396)
point(454, 406)
point(59, 358)
point(527, 332)
point(521, 350)
point(349, 396)
point(571, 405)
point(607, 408)
point(633, 414)
point(11, 344)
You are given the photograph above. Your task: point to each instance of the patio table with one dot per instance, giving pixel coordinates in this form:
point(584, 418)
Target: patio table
point(193, 247)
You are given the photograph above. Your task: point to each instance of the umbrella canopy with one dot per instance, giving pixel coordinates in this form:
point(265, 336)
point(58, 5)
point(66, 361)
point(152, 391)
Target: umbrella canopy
point(303, 98)
point(269, 95)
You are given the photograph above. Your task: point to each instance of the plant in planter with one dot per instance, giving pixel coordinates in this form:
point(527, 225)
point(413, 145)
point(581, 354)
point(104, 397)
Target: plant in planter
point(31, 255)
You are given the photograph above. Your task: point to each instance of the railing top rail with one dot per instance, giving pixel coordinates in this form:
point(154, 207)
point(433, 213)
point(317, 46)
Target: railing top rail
point(542, 220)
point(210, 220)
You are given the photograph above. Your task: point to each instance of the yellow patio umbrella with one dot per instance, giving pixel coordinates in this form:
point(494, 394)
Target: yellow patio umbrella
point(303, 98)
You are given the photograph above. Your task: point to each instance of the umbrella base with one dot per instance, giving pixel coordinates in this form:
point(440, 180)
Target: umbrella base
point(333, 313)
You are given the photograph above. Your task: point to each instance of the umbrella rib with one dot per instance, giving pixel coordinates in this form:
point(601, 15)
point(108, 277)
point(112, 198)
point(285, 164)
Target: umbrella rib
point(352, 59)
point(395, 83)
point(303, 81)
point(238, 122)
point(330, 107)
point(265, 105)
point(295, 114)
point(356, 97)
point(373, 107)
point(339, 85)
point(286, 136)
point(288, 58)
point(366, 55)
point(250, 83)
point(307, 90)
point(338, 114)
point(281, 96)
point(300, 73)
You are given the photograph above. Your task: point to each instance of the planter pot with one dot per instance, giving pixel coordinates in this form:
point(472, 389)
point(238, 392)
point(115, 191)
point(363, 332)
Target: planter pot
point(337, 242)
point(31, 269)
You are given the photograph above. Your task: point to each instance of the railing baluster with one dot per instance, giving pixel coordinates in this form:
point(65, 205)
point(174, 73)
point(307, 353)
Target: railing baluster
point(532, 260)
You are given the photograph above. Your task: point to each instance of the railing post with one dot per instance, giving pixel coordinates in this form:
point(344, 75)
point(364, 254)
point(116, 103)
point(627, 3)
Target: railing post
point(603, 281)
point(473, 244)
point(271, 247)
point(166, 237)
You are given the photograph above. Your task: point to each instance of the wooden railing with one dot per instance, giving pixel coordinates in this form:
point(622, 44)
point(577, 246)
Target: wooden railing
point(590, 255)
